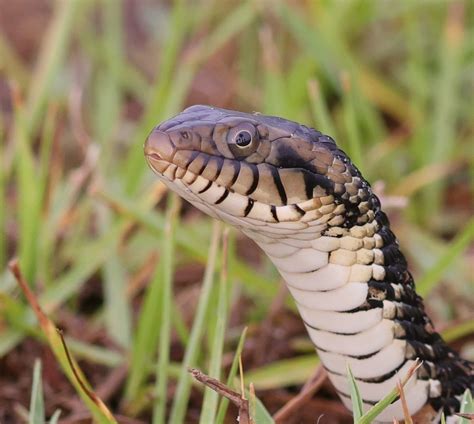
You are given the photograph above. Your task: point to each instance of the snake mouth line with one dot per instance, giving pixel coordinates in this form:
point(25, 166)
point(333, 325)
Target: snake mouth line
point(181, 180)
point(153, 156)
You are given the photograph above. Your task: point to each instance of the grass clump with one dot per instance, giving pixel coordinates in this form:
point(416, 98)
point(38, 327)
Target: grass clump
point(138, 287)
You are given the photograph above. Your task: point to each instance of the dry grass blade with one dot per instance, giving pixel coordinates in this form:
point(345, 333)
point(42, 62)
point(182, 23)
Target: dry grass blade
point(406, 412)
point(54, 49)
point(356, 398)
point(180, 401)
point(429, 174)
point(92, 396)
point(252, 402)
point(241, 371)
point(36, 413)
point(98, 409)
point(469, 417)
point(306, 393)
point(236, 398)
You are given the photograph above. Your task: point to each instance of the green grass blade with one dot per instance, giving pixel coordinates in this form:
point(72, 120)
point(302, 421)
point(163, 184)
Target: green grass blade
point(258, 413)
point(53, 51)
point(107, 92)
point(167, 258)
point(312, 41)
point(117, 309)
point(179, 325)
point(55, 417)
point(118, 316)
point(262, 416)
point(230, 378)
point(36, 414)
point(209, 405)
point(442, 142)
point(94, 404)
point(41, 185)
point(28, 200)
point(354, 144)
point(382, 404)
point(8, 340)
point(181, 398)
point(29, 197)
point(467, 406)
point(357, 409)
point(275, 97)
point(457, 246)
point(146, 338)
point(89, 258)
point(458, 331)
point(319, 108)
point(232, 24)
point(179, 28)
point(95, 354)
point(3, 200)
point(283, 373)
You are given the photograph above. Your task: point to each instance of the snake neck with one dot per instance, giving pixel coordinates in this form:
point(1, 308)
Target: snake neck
point(358, 302)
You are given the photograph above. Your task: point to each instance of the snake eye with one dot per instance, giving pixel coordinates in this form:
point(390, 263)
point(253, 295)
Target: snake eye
point(243, 140)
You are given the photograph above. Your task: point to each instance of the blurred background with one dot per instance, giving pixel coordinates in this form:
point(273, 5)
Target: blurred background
point(119, 265)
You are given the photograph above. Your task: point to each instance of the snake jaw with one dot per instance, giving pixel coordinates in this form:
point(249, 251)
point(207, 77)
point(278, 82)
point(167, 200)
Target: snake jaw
point(271, 181)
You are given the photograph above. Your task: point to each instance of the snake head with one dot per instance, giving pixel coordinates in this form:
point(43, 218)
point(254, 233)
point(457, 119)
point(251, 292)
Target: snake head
point(252, 166)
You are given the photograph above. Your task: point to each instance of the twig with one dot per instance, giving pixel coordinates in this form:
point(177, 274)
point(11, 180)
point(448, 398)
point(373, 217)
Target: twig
point(14, 267)
point(236, 398)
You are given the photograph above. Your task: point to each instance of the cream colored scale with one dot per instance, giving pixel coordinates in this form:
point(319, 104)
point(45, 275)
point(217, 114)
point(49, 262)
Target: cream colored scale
point(325, 287)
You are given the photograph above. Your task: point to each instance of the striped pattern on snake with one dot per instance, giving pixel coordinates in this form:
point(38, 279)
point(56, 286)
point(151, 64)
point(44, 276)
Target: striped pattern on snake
point(299, 197)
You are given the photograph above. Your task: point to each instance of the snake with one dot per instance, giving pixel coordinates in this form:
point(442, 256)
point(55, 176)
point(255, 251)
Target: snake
point(300, 198)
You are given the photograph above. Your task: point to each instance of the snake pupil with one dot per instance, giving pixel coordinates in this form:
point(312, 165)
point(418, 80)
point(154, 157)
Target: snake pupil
point(243, 139)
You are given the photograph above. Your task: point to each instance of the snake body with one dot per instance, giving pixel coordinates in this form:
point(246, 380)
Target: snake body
point(299, 197)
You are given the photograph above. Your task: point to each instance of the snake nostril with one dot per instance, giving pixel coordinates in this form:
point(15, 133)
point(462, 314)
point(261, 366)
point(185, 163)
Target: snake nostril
point(158, 146)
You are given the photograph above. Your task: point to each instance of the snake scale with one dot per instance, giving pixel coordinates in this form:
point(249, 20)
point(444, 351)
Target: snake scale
point(299, 197)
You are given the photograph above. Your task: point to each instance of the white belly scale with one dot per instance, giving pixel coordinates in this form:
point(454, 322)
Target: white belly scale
point(328, 281)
